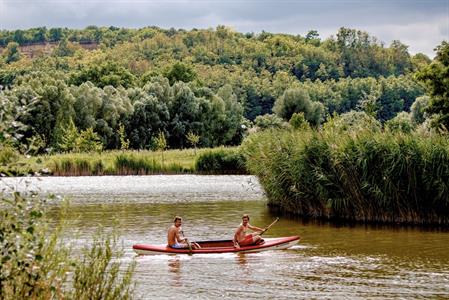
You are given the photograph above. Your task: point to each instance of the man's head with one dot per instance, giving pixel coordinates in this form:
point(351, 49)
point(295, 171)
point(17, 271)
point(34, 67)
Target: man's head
point(245, 219)
point(178, 221)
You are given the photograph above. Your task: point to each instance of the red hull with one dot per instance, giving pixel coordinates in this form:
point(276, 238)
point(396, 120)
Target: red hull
point(224, 246)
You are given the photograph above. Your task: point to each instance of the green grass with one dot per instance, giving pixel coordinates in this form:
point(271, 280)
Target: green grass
point(112, 163)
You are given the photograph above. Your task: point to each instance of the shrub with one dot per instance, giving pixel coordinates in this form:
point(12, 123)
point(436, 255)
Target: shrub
point(35, 261)
point(221, 161)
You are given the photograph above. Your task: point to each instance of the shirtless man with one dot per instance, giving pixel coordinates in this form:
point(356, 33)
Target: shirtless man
point(174, 238)
point(243, 238)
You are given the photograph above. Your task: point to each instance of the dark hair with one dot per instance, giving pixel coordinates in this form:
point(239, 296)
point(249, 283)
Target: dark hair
point(245, 216)
point(176, 219)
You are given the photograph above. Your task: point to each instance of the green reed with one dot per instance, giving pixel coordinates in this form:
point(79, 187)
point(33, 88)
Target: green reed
point(361, 175)
point(221, 161)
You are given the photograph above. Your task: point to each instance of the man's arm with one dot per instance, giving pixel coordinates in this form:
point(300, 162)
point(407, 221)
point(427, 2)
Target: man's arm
point(254, 228)
point(236, 237)
point(178, 237)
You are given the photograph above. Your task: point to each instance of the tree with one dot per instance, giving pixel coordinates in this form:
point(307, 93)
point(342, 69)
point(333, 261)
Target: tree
point(64, 49)
point(101, 75)
point(160, 144)
point(180, 72)
point(11, 53)
point(70, 135)
point(193, 139)
point(88, 141)
point(418, 109)
point(296, 101)
point(401, 123)
point(297, 121)
point(268, 121)
point(124, 142)
point(436, 77)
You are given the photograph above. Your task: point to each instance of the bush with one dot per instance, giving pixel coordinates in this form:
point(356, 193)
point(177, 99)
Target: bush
point(35, 261)
point(221, 161)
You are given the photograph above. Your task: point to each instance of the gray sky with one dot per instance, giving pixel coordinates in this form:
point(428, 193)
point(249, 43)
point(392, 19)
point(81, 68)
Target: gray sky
point(420, 24)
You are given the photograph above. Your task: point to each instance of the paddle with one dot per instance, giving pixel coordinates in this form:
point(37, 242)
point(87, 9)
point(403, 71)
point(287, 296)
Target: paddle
point(187, 241)
point(190, 246)
point(268, 227)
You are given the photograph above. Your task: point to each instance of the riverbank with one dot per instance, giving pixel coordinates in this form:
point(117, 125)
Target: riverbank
point(222, 160)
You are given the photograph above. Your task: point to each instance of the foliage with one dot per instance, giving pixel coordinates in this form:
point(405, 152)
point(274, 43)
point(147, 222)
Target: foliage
point(268, 121)
point(436, 77)
point(401, 123)
point(89, 141)
point(180, 72)
point(7, 155)
point(296, 101)
point(124, 142)
point(352, 121)
point(107, 73)
point(84, 141)
point(35, 261)
point(11, 53)
point(418, 109)
point(193, 139)
point(205, 81)
point(221, 161)
point(160, 143)
point(298, 121)
point(363, 176)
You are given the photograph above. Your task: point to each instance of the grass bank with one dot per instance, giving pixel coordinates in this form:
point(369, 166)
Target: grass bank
point(361, 176)
point(202, 161)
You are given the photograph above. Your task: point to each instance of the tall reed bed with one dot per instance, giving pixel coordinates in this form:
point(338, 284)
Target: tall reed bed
point(130, 164)
point(204, 161)
point(361, 175)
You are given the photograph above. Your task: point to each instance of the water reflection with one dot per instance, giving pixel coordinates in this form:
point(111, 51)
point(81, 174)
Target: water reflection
point(174, 267)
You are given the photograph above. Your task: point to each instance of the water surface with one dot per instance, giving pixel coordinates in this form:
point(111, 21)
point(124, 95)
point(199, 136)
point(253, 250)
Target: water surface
point(331, 262)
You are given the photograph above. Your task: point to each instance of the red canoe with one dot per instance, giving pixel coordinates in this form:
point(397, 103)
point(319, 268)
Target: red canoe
point(223, 246)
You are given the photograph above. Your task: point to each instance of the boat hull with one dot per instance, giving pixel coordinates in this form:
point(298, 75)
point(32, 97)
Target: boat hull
point(222, 246)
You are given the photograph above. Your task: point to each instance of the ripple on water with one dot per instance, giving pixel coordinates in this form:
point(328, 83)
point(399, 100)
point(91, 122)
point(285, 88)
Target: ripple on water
point(329, 263)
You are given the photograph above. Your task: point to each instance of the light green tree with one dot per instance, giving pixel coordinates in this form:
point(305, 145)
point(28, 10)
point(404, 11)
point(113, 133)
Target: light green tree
point(161, 144)
point(124, 142)
point(193, 139)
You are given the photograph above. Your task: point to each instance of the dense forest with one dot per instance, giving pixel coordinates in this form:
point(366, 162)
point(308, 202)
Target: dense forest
point(117, 88)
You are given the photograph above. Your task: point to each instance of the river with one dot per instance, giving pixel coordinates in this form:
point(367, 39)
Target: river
point(330, 262)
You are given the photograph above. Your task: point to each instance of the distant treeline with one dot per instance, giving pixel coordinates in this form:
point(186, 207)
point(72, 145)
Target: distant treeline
point(211, 83)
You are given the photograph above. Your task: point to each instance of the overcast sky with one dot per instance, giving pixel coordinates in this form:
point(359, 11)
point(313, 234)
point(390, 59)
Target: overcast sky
point(420, 24)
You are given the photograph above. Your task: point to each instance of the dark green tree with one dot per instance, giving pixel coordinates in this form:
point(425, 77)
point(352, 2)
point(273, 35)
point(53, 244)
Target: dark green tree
point(107, 73)
point(436, 78)
point(180, 72)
